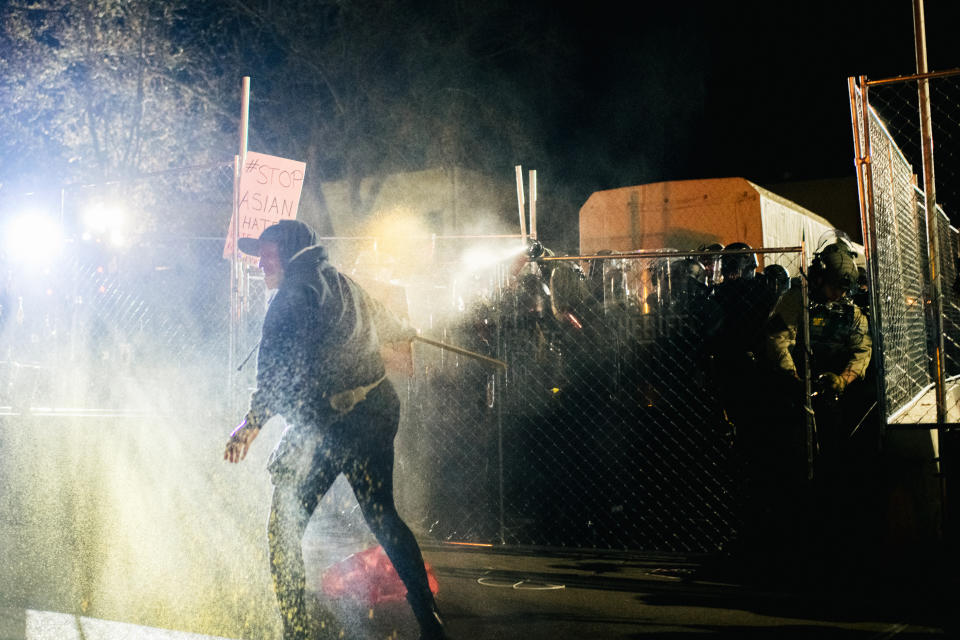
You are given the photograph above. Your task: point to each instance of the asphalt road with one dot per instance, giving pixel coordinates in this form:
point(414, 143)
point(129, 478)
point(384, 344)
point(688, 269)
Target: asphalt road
point(529, 594)
point(487, 594)
point(101, 540)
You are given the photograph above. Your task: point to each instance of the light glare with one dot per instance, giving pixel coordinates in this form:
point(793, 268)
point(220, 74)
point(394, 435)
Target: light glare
point(104, 219)
point(33, 238)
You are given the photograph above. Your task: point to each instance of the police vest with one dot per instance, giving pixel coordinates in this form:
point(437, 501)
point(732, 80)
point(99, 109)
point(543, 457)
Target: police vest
point(834, 331)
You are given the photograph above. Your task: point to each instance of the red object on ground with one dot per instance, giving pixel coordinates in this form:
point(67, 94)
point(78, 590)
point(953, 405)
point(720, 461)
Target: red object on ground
point(369, 576)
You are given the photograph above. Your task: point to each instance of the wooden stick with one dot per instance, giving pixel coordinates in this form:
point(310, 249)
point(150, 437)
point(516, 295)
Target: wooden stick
point(463, 352)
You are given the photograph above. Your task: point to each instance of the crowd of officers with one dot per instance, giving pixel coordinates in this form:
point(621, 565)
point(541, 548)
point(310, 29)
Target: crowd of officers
point(783, 357)
point(787, 362)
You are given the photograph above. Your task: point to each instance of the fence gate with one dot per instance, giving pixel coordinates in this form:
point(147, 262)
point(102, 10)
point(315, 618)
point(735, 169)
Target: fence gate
point(912, 258)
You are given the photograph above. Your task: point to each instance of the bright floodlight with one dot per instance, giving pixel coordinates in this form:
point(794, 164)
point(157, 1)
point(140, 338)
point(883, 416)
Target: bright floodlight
point(103, 219)
point(33, 238)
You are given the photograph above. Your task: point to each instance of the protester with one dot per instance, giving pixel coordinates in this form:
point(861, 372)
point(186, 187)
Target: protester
point(319, 366)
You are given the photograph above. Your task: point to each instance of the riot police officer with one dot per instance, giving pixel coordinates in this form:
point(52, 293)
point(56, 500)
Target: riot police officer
point(839, 335)
point(741, 304)
point(783, 514)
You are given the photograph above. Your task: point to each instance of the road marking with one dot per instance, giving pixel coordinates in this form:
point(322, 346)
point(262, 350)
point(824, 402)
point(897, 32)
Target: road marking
point(50, 625)
point(519, 585)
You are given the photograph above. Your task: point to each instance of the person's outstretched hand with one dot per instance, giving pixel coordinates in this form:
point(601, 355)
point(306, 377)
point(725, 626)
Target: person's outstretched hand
point(240, 440)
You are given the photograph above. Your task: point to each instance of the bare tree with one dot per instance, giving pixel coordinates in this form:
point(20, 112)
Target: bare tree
point(104, 89)
point(362, 89)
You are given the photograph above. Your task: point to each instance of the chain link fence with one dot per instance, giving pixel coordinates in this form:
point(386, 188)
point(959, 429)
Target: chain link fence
point(621, 419)
point(133, 305)
point(916, 312)
point(618, 424)
point(615, 425)
point(896, 106)
point(907, 327)
point(949, 254)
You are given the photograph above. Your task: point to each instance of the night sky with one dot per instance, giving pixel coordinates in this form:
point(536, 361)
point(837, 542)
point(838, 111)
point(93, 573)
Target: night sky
point(718, 89)
point(594, 96)
point(706, 90)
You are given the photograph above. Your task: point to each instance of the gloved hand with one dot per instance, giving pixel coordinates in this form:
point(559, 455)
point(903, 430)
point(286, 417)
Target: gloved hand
point(832, 382)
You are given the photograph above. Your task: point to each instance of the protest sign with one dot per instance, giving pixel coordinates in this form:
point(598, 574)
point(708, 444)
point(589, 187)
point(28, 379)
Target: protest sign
point(269, 192)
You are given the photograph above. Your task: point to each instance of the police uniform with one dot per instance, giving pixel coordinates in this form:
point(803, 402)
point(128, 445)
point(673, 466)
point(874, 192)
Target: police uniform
point(839, 336)
point(785, 511)
point(838, 500)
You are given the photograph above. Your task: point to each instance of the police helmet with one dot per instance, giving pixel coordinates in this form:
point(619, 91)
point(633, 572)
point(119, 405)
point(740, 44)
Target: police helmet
point(738, 265)
point(689, 267)
point(777, 278)
point(534, 249)
point(835, 265)
point(716, 246)
point(711, 263)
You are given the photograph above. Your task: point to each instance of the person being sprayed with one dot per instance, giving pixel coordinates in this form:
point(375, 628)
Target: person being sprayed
point(319, 366)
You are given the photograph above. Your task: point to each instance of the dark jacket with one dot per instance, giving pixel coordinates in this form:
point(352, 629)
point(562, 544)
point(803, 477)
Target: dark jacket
point(321, 335)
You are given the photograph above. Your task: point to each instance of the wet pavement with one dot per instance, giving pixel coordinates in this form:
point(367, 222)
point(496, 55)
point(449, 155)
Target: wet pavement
point(489, 594)
point(534, 594)
point(101, 539)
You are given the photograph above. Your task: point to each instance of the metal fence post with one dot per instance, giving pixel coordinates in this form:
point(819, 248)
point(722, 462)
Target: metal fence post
point(930, 204)
point(861, 141)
